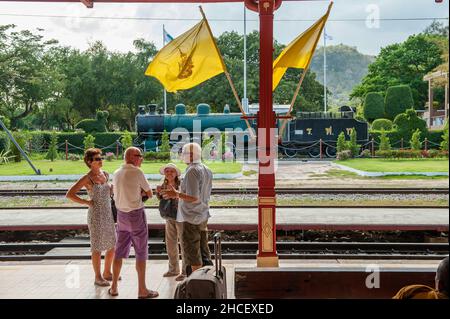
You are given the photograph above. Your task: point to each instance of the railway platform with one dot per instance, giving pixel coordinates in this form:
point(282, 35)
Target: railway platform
point(73, 279)
point(298, 218)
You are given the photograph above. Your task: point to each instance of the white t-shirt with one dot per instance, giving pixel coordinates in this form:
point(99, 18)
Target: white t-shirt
point(128, 182)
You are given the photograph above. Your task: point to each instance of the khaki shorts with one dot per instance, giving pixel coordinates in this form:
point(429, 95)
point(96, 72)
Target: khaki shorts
point(191, 244)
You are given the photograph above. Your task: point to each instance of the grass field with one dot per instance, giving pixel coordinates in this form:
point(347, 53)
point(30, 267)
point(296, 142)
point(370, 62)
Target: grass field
point(404, 165)
point(61, 167)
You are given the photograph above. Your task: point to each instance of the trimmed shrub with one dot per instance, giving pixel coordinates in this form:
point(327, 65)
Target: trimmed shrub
point(157, 156)
point(89, 142)
point(96, 125)
point(109, 156)
point(407, 123)
point(165, 145)
point(36, 142)
point(344, 155)
point(52, 153)
point(381, 124)
point(398, 99)
point(385, 143)
point(353, 144)
point(415, 142)
point(373, 106)
point(341, 144)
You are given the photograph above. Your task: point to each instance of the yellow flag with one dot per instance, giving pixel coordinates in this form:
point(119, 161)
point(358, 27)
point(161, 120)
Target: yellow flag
point(188, 60)
point(298, 53)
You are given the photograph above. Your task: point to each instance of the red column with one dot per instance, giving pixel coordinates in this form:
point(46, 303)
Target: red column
point(267, 252)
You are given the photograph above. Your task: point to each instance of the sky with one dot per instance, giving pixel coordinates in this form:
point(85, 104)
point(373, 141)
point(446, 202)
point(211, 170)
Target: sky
point(75, 25)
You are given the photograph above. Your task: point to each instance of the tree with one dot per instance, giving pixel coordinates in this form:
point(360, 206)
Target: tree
point(416, 144)
point(52, 153)
point(385, 143)
point(436, 28)
point(398, 100)
point(373, 106)
point(402, 63)
point(89, 142)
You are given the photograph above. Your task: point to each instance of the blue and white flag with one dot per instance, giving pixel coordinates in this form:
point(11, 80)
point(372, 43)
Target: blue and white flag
point(167, 37)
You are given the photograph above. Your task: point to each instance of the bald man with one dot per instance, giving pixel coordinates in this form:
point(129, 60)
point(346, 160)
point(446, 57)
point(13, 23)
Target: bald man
point(129, 183)
point(425, 292)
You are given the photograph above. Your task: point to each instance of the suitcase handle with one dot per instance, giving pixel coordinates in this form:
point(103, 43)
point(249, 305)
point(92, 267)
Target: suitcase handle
point(218, 253)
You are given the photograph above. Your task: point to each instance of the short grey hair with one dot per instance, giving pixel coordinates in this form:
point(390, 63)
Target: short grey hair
point(442, 275)
point(194, 149)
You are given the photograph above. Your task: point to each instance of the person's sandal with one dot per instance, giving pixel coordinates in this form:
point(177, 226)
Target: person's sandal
point(111, 278)
point(111, 293)
point(151, 294)
point(180, 277)
point(171, 274)
point(101, 283)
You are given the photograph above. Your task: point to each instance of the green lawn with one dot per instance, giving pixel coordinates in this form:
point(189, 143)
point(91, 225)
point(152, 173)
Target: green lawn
point(404, 165)
point(62, 167)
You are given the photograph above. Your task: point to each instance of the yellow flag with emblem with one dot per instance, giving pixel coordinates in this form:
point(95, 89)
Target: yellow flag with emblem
point(298, 53)
point(188, 60)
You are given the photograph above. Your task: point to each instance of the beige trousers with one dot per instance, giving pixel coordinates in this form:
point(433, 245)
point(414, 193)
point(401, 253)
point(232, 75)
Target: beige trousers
point(173, 236)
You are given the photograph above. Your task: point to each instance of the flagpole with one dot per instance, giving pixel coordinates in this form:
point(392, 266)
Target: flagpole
point(245, 100)
point(165, 92)
point(297, 90)
point(252, 135)
point(325, 68)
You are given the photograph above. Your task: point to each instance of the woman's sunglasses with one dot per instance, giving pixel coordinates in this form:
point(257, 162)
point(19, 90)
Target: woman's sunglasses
point(98, 159)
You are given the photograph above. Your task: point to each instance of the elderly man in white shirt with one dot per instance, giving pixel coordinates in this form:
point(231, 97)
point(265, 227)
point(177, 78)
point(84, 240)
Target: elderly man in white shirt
point(129, 183)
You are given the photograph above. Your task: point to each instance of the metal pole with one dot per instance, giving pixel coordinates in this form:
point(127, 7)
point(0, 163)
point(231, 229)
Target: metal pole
point(165, 93)
point(244, 99)
point(37, 171)
point(325, 68)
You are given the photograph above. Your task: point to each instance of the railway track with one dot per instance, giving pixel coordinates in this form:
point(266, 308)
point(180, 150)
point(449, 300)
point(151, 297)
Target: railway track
point(242, 191)
point(242, 250)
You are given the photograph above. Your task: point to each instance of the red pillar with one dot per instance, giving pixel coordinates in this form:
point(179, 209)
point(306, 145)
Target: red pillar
point(267, 252)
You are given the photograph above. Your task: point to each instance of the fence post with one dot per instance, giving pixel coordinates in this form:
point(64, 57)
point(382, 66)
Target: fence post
point(426, 144)
point(401, 144)
point(321, 151)
point(373, 147)
point(117, 150)
point(67, 151)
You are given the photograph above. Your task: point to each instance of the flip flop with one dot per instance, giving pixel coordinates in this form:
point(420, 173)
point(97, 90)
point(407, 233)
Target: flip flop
point(151, 294)
point(112, 294)
point(101, 283)
point(110, 278)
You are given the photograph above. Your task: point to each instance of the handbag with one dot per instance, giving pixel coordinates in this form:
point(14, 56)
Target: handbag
point(167, 209)
point(114, 209)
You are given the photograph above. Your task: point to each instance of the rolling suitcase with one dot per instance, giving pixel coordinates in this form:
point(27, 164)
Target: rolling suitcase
point(208, 282)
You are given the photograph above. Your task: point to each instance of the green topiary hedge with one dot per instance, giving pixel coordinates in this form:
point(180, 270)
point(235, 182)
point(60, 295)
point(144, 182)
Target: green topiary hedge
point(102, 140)
point(373, 106)
point(380, 124)
point(398, 100)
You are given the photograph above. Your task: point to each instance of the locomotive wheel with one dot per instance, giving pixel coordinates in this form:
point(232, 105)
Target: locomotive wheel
point(330, 151)
point(314, 152)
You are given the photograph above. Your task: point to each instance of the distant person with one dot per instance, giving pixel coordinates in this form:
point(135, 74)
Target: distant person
point(426, 292)
point(100, 220)
point(168, 209)
point(193, 207)
point(129, 185)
